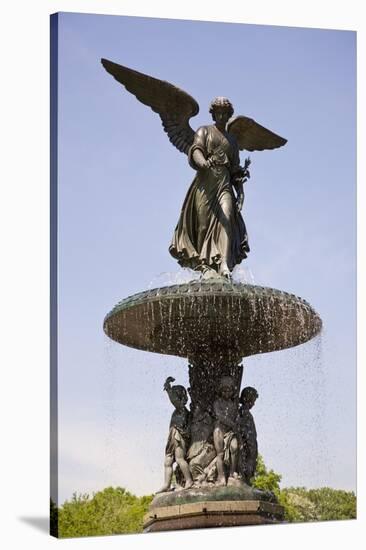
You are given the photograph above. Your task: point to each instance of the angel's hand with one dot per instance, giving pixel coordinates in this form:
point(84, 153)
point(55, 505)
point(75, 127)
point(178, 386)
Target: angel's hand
point(246, 175)
point(201, 162)
point(206, 164)
point(240, 201)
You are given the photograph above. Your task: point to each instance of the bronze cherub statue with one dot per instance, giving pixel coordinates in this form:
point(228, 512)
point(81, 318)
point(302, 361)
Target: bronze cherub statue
point(210, 235)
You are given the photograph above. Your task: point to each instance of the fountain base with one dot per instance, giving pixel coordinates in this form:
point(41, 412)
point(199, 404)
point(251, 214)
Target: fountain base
point(212, 507)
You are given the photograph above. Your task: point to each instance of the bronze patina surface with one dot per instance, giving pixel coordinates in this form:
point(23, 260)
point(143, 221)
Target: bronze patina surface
point(234, 320)
point(211, 233)
point(211, 450)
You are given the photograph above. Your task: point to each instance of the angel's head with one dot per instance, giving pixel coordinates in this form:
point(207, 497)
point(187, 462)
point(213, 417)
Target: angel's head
point(221, 107)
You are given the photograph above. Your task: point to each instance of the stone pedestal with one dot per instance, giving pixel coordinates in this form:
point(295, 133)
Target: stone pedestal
point(212, 507)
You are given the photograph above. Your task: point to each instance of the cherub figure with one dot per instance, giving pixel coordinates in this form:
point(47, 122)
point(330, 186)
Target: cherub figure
point(176, 447)
point(201, 450)
point(225, 439)
point(248, 434)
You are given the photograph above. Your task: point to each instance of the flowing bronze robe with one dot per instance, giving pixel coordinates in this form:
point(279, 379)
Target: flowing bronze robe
point(210, 228)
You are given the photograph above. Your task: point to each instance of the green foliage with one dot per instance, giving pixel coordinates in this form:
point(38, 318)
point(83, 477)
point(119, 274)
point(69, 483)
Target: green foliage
point(303, 504)
point(111, 511)
point(116, 511)
point(266, 480)
point(318, 504)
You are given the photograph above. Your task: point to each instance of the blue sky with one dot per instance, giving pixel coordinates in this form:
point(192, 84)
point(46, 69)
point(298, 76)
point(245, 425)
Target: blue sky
point(121, 187)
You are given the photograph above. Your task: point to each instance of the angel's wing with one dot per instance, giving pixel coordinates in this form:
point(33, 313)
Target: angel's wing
point(252, 136)
point(174, 106)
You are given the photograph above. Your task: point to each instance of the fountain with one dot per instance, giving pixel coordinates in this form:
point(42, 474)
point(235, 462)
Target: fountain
point(214, 324)
point(212, 321)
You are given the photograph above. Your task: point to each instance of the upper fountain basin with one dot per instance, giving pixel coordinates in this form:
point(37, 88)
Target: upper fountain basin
point(232, 320)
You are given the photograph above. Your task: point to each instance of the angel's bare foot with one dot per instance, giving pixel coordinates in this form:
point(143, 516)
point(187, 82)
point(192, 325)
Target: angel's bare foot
point(224, 271)
point(208, 272)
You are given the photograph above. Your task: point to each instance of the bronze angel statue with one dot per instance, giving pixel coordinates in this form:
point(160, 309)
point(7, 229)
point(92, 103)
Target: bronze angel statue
point(210, 235)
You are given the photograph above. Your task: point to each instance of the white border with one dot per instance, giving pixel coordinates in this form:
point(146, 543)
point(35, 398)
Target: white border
point(24, 230)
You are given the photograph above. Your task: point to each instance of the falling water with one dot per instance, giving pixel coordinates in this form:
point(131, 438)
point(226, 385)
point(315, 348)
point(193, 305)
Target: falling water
point(179, 277)
point(136, 415)
point(243, 274)
point(291, 412)
point(109, 392)
point(183, 313)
